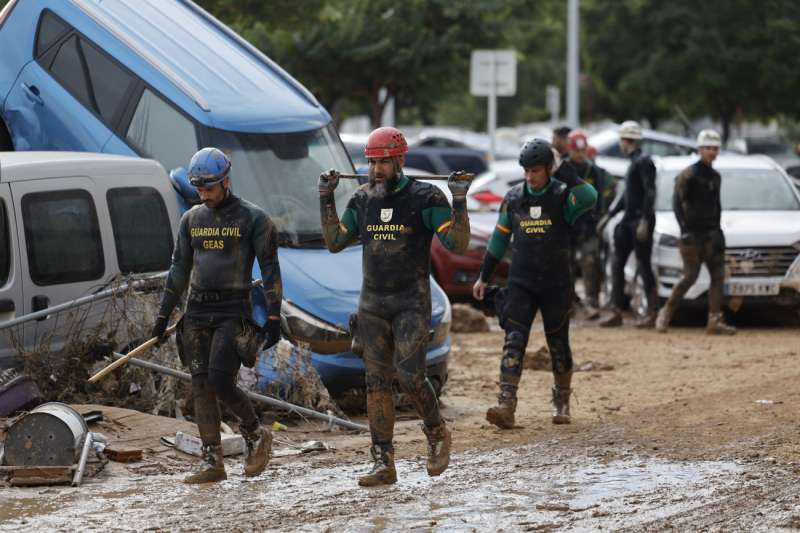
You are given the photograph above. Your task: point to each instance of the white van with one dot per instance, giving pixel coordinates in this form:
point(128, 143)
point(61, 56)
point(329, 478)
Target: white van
point(72, 222)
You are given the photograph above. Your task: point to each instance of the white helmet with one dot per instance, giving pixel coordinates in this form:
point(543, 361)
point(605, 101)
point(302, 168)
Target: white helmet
point(708, 138)
point(630, 129)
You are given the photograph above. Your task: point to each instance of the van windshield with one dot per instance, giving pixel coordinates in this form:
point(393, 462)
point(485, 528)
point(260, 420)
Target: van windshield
point(279, 173)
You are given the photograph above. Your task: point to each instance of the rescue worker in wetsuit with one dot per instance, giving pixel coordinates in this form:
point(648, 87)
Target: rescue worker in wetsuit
point(217, 243)
point(538, 214)
point(634, 233)
point(587, 242)
point(395, 219)
point(697, 207)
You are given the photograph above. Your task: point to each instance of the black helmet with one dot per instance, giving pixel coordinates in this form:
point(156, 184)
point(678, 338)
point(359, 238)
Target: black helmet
point(536, 152)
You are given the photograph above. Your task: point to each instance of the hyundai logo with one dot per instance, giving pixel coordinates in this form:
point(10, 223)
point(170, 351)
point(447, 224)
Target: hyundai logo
point(751, 255)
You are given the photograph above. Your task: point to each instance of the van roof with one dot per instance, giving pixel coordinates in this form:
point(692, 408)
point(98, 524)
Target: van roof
point(239, 88)
point(17, 166)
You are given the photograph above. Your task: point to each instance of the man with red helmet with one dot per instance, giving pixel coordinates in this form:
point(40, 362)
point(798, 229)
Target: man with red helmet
point(395, 219)
point(587, 243)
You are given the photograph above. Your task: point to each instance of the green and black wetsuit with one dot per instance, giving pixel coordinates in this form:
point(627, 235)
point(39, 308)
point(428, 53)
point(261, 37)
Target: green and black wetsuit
point(213, 258)
point(540, 275)
point(395, 305)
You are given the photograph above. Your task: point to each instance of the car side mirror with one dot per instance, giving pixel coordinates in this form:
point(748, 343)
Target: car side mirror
point(180, 182)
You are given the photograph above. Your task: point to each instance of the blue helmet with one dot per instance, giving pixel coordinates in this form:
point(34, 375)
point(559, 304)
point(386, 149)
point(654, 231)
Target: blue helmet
point(208, 167)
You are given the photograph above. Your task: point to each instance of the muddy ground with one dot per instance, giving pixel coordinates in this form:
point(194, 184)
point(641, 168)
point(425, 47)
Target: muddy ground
point(686, 432)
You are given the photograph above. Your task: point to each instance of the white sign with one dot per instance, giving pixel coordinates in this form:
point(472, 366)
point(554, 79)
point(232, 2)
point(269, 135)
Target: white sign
point(498, 67)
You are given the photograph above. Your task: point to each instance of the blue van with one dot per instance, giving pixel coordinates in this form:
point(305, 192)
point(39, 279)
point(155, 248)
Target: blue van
point(163, 78)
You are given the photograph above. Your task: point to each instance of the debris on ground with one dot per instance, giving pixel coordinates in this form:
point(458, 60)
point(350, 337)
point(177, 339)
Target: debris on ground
point(594, 366)
point(467, 319)
point(18, 392)
point(231, 444)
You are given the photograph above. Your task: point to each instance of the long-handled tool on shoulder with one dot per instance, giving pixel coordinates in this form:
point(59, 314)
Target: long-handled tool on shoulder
point(143, 348)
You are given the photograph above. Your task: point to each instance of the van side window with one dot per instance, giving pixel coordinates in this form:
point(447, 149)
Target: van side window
point(141, 229)
point(51, 29)
point(161, 132)
point(62, 237)
point(88, 73)
point(67, 68)
point(5, 246)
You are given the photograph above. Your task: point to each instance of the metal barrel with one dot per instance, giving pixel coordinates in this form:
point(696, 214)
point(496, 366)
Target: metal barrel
point(52, 434)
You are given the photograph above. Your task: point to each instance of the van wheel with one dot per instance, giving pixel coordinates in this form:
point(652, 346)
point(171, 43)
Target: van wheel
point(5, 139)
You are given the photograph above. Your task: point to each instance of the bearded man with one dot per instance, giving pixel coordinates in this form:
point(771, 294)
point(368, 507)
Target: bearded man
point(395, 219)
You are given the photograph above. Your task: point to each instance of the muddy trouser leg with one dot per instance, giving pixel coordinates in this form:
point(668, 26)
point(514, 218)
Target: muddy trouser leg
point(691, 256)
point(555, 304)
point(224, 367)
point(375, 334)
point(623, 246)
point(520, 310)
point(714, 256)
point(197, 345)
point(644, 251)
point(410, 332)
point(590, 268)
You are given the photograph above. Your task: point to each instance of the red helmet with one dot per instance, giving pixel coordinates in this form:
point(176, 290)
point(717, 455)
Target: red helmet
point(591, 152)
point(385, 142)
point(577, 140)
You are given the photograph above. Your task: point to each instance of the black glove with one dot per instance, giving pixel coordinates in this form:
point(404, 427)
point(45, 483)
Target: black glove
point(271, 333)
point(159, 328)
point(328, 182)
point(459, 183)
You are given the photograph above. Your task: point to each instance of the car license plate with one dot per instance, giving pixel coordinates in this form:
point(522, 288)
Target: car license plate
point(752, 289)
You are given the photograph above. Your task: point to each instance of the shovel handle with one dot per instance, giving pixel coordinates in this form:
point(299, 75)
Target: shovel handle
point(133, 353)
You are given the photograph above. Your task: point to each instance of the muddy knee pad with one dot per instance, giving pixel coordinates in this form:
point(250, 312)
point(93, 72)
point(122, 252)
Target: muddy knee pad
point(513, 354)
point(560, 355)
point(206, 410)
point(378, 382)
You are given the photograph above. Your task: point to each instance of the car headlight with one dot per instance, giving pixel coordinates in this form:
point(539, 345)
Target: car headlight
point(320, 336)
point(668, 240)
point(442, 330)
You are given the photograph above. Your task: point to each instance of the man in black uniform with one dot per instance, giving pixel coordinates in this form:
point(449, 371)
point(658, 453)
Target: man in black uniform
point(634, 233)
point(587, 242)
point(217, 243)
point(538, 213)
point(697, 207)
point(560, 141)
point(395, 219)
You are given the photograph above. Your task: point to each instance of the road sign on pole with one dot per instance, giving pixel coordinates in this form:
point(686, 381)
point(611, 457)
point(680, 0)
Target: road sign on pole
point(493, 73)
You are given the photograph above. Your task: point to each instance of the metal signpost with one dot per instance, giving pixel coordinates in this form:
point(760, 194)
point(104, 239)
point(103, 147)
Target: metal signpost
point(493, 73)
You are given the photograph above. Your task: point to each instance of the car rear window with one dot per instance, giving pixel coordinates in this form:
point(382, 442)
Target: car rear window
point(5, 245)
point(141, 228)
point(62, 237)
point(421, 162)
point(51, 29)
point(468, 163)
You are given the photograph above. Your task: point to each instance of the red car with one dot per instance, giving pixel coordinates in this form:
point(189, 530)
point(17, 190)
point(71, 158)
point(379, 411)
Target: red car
point(457, 273)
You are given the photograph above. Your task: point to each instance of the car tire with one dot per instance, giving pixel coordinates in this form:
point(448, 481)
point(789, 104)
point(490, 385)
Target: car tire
point(5, 139)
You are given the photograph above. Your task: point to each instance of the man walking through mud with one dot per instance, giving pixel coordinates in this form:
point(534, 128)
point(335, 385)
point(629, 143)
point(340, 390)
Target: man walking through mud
point(697, 207)
point(634, 233)
point(395, 219)
point(538, 214)
point(217, 244)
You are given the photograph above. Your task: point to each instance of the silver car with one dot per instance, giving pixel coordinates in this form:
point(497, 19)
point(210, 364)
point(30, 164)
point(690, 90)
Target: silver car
point(761, 222)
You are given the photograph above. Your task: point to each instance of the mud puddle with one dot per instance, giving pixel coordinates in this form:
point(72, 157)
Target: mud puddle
point(519, 489)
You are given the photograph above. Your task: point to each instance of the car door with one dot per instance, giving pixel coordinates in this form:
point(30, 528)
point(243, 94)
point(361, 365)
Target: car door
point(59, 229)
point(10, 287)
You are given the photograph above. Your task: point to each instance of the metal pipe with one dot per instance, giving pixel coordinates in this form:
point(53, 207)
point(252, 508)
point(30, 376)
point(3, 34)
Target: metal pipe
point(87, 445)
point(432, 177)
point(80, 301)
point(274, 402)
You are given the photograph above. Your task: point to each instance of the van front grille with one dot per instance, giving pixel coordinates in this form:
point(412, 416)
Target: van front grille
point(766, 261)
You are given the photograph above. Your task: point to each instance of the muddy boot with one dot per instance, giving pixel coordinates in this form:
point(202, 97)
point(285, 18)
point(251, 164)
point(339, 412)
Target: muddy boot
point(502, 415)
point(259, 446)
point(614, 320)
point(561, 405)
point(716, 325)
point(664, 318)
point(383, 472)
point(211, 469)
point(649, 319)
point(592, 310)
point(439, 441)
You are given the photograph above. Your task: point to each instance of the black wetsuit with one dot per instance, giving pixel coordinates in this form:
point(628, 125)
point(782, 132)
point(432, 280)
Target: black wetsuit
point(214, 258)
point(639, 204)
point(585, 239)
point(697, 207)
